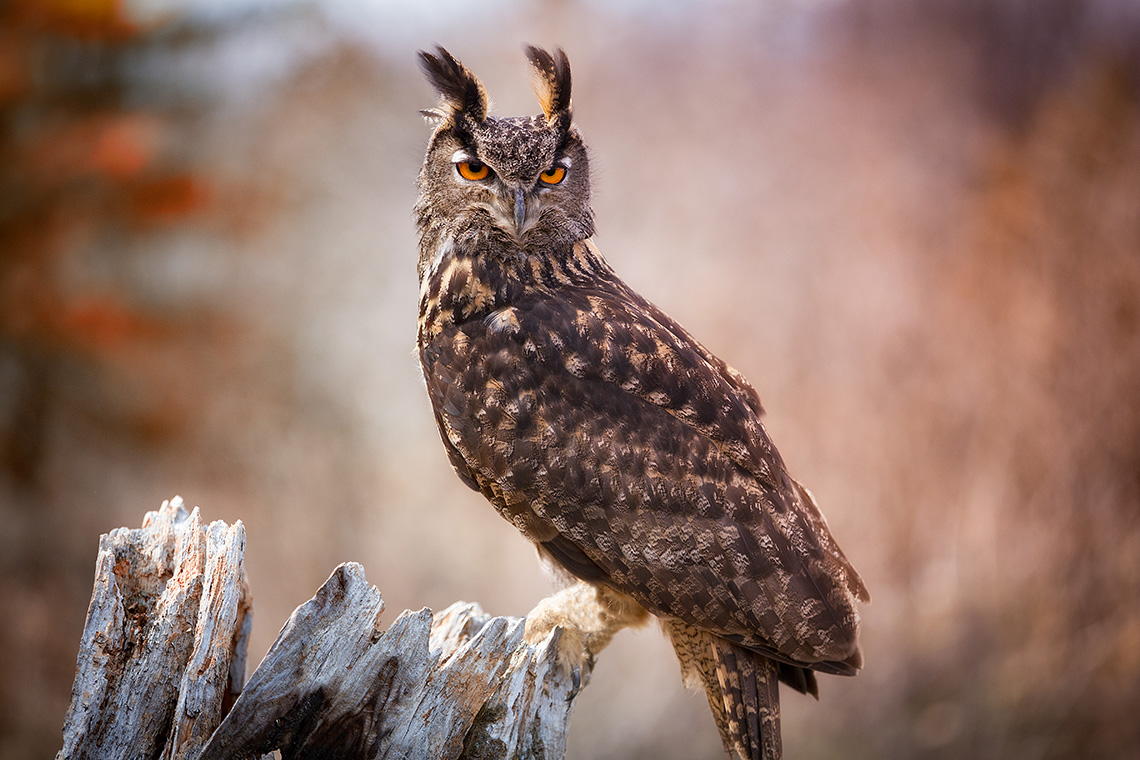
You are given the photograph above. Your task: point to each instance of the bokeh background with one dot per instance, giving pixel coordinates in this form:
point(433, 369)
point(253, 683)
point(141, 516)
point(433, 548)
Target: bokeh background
point(914, 226)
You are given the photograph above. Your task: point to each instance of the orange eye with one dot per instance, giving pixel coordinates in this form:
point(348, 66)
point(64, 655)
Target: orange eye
point(553, 175)
point(473, 170)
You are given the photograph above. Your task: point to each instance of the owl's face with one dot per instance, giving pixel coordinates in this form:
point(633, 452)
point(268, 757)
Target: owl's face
point(517, 175)
point(521, 184)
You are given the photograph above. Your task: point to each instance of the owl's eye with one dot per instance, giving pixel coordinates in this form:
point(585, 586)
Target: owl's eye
point(553, 175)
point(473, 170)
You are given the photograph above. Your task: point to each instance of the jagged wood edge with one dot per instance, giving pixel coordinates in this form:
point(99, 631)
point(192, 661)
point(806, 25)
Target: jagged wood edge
point(163, 654)
point(459, 685)
point(163, 646)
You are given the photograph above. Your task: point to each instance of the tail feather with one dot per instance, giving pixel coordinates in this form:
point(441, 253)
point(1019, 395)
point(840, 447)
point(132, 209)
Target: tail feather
point(750, 691)
point(743, 689)
point(800, 679)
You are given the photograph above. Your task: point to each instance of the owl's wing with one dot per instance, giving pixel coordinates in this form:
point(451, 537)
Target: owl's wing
point(619, 444)
point(738, 433)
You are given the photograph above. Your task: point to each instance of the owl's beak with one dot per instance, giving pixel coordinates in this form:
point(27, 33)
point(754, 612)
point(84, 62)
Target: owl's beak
point(520, 209)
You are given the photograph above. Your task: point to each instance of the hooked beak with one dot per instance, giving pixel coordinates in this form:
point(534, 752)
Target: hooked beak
point(520, 209)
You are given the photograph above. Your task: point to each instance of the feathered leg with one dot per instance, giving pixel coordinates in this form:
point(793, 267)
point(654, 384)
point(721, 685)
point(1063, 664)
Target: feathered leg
point(590, 616)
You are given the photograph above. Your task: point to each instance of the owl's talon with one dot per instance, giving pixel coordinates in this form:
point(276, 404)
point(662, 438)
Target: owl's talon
point(575, 683)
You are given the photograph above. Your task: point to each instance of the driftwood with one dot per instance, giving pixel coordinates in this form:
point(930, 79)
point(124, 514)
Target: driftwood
point(163, 654)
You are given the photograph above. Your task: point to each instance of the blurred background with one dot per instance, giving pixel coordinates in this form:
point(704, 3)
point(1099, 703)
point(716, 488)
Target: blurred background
point(914, 226)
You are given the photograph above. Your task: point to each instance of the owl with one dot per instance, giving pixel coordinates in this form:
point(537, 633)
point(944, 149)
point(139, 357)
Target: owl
point(633, 458)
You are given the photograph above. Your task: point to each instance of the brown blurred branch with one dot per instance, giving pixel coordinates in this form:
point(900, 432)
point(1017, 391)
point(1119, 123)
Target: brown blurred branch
point(165, 640)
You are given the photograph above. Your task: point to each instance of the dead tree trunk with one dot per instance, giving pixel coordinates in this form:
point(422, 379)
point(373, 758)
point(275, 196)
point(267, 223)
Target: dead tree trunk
point(163, 656)
point(165, 639)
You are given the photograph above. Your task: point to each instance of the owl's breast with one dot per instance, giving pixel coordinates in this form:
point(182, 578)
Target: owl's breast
point(517, 420)
point(467, 280)
point(486, 401)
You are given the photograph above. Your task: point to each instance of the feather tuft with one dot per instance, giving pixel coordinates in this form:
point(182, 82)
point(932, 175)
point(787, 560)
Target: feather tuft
point(551, 83)
point(462, 92)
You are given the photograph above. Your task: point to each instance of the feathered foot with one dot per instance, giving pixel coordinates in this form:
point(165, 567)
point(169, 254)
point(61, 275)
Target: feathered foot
point(589, 616)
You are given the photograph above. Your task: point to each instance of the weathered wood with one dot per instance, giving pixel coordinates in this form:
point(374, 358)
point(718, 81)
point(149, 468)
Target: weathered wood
point(461, 685)
point(165, 638)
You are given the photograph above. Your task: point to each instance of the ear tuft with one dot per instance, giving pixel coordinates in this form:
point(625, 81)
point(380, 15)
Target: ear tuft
point(463, 94)
point(551, 84)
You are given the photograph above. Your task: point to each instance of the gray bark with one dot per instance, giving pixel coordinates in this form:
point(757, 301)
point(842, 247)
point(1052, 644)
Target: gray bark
point(165, 639)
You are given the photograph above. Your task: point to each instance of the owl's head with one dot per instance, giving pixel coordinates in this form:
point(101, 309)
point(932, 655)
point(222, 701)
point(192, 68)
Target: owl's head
point(521, 181)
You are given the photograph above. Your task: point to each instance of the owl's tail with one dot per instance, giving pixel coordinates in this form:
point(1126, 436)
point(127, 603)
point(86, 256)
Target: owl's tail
point(742, 688)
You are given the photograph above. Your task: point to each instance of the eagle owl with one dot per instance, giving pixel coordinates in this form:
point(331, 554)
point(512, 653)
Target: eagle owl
point(631, 456)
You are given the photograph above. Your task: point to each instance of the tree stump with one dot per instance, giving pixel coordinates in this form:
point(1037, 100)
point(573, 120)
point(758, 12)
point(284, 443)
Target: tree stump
point(165, 639)
point(163, 655)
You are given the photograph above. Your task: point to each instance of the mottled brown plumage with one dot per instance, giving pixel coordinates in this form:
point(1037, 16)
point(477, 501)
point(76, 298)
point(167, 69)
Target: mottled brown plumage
point(630, 455)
